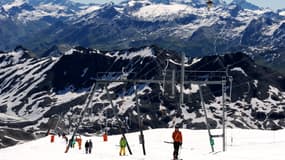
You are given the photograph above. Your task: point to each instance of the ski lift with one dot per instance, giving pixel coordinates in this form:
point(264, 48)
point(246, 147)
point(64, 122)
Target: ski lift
point(209, 4)
point(105, 114)
point(189, 95)
point(53, 124)
point(164, 74)
point(106, 123)
point(172, 96)
point(89, 117)
point(127, 122)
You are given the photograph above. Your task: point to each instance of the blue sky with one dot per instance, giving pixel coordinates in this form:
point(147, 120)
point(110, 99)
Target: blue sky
point(274, 4)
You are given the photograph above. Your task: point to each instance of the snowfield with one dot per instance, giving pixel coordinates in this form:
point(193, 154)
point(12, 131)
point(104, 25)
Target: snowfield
point(163, 12)
point(241, 145)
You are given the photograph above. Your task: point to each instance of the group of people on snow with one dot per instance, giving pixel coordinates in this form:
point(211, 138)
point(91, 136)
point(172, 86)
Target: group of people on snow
point(176, 136)
point(88, 146)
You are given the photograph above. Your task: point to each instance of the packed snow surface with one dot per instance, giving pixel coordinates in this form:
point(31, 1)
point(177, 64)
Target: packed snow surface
point(241, 145)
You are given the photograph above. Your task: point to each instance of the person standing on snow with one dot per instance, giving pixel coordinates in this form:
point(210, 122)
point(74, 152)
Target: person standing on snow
point(123, 144)
point(177, 141)
point(73, 143)
point(90, 146)
point(87, 147)
point(70, 142)
point(79, 141)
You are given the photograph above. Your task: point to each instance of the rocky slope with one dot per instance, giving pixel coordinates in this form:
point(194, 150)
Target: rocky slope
point(36, 92)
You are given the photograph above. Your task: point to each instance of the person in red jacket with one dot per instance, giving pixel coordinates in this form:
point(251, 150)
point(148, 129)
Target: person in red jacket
point(177, 141)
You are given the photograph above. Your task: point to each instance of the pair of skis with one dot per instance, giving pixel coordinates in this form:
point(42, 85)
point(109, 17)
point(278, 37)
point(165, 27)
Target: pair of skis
point(179, 150)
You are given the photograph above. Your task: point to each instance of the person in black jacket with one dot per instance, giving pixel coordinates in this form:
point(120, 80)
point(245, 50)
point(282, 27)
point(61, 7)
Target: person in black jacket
point(90, 146)
point(87, 147)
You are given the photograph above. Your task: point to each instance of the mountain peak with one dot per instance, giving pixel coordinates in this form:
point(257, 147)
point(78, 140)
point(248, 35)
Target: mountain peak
point(16, 3)
point(108, 11)
point(189, 2)
point(37, 2)
point(246, 5)
point(26, 52)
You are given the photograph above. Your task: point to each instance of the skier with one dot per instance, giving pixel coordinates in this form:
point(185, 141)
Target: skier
point(90, 146)
point(73, 143)
point(86, 147)
point(70, 142)
point(123, 144)
point(79, 141)
point(177, 141)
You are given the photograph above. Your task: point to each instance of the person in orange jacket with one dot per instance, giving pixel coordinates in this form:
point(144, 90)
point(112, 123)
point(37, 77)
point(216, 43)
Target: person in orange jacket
point(177, 142)
point(79, 141)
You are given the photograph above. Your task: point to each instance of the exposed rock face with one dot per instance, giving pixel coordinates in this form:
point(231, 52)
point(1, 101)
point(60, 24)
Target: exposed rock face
point(34, 91)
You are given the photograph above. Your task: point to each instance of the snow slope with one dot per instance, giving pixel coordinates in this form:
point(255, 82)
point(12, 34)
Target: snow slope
point(242, 145)
point(88, 10)
point(16, 3)
point(163, 11)
point(282, 13)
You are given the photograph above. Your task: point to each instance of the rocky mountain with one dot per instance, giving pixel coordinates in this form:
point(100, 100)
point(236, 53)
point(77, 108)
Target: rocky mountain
point(185, 26)
point(23, 21)
point(246, 5)
point(36, 92)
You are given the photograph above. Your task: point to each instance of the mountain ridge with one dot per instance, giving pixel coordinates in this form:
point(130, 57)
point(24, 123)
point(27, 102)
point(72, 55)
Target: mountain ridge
point(175, 25)
point(35, 90)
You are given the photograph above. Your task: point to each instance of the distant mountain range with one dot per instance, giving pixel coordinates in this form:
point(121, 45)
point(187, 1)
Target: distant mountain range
point(184, 26)
point(35, 92)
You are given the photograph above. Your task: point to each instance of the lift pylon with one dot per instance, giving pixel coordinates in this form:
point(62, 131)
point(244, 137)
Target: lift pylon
point(87, 104)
